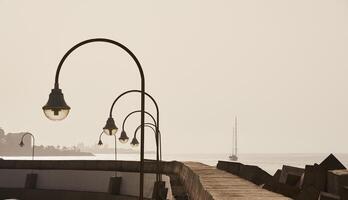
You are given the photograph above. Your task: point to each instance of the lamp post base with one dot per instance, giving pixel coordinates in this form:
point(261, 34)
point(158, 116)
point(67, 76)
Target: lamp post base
point(115, 185)
point(159, 191)
point(30, 181)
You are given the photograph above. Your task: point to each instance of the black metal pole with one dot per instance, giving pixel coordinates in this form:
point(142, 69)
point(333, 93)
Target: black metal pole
point(142, 99)
point(115, 153)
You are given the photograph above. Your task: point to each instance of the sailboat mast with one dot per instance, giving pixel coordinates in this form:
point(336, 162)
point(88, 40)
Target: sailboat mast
point(233, 140)
point(235, 135)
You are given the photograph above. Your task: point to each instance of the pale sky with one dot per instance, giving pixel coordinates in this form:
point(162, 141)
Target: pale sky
point(280, 66)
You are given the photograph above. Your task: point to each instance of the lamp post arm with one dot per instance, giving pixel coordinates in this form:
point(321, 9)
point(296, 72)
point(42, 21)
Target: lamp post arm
point(131, 91)
point(56, 83)
point(151, 125)
point(125, 119)
point(145, 125)
point(101, 135)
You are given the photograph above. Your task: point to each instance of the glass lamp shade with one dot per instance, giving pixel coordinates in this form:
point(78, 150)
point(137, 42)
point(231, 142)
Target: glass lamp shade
point(100, 143)
point(134, 142)
point(56, 115)
point(56, 109)
point(21, 144)
point(123, 137)
point(110, 128)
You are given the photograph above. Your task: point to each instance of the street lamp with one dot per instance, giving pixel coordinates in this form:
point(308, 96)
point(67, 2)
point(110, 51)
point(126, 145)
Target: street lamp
point(158, 144)
point(123, 137)
point(100, 142)
point(135, 142)
point(21, 144)
point(57, 109)
point(31, 179)
point(114, 182)
point(160, 185)
point(153, 127)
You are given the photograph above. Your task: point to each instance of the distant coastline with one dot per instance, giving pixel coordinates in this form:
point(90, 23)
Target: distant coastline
point(9, 146)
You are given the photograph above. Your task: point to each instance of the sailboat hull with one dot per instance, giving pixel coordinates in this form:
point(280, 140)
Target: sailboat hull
point(233, 158)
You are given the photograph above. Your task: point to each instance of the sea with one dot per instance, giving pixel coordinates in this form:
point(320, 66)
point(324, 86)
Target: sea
point(268, 162)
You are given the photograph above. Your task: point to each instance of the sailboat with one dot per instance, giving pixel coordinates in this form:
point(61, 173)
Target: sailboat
point(233, 156)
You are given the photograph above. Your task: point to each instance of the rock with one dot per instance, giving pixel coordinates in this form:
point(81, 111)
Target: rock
point(332, 163)
point(231, 167)
point(315, 176)
point(344, 192)
point(308, 193)
point(291, 175)
point(254, 174)
point(271, 185)
point(293, 180)
point(286, 190)
point(328, 196)
point(336, 181)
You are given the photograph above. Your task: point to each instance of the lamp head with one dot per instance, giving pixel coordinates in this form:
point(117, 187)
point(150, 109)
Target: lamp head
point(100, 143)
point(123, 137)
point(134, 142)
point(56, 109)
point(21, 144)
point(110, 128)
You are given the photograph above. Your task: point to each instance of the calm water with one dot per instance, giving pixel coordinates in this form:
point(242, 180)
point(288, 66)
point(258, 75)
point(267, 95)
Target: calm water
point(268, 162)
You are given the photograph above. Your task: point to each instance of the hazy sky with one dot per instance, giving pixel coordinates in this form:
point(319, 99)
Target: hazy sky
point(281, 66)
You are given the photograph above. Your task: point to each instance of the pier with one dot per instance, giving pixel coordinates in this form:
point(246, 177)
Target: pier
point(187, 180)
point(211, 183)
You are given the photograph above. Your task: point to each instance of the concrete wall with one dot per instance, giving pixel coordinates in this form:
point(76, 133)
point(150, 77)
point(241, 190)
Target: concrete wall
point(78, 180)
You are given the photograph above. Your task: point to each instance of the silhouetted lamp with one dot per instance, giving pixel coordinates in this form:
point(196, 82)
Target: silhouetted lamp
point(134, 142)
point(21, 144)
point(123, 137)
point(56, 108)
point(110, 127)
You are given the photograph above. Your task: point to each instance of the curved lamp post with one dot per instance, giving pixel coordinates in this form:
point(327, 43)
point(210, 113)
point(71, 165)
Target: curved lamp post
point(123, 135)
point(100, 142)
point(159, 183)
point(135, 143)
point(21, 144)
point(158, 150)
point(153, 127)
point(57, 109)
point(110, 124)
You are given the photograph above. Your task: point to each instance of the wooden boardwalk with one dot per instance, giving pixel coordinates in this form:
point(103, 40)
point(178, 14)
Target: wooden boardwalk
point(222, 185)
